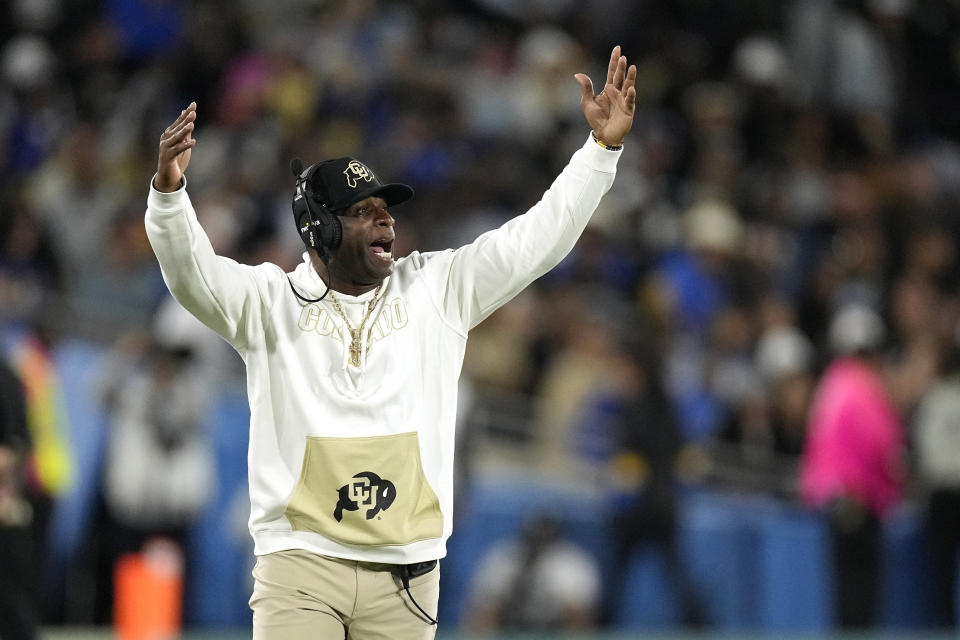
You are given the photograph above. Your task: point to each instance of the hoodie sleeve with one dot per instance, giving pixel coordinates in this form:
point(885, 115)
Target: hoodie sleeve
point(220, 292)
point(494, 268)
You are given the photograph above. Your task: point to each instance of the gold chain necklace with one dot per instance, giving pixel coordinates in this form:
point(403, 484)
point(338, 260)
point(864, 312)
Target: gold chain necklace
point(356, 335)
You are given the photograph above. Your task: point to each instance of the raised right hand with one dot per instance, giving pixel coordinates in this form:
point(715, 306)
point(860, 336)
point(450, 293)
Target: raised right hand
point(610, 112)
point(175, 147)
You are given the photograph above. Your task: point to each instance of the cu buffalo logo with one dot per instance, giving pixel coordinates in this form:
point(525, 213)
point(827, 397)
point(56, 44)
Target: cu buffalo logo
point(355, 172)
point(367, 489)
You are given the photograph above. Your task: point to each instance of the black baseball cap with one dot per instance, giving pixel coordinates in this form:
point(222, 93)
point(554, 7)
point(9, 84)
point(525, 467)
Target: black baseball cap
point(340, 182)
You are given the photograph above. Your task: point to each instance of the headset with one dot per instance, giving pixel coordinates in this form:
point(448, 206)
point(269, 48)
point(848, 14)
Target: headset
point(320, 229)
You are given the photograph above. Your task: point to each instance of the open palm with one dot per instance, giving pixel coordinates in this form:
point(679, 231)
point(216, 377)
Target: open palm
point(610, 112)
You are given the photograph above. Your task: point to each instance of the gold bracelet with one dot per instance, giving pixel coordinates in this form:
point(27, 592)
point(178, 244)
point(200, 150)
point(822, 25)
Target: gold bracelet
point(608, 147)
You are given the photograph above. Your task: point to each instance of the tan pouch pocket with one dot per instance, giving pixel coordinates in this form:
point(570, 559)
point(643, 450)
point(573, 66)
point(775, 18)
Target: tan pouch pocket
point(365, 491)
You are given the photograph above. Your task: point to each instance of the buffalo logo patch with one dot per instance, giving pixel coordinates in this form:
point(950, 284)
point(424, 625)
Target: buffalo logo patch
point(355, 172)
point(367, 489)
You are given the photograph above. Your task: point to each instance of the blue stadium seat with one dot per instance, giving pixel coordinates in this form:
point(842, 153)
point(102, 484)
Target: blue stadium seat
point(647, 601)
point(795, 583)
point(219, 582)
point(905, 599)
point(713, 545)
point(77, 363)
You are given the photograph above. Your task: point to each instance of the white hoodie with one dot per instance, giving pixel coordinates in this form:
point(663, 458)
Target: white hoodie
point(357, 462)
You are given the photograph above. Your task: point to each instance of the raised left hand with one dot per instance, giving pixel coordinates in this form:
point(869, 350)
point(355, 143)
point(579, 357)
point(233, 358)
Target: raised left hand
point(176, 145)
point(610, 112)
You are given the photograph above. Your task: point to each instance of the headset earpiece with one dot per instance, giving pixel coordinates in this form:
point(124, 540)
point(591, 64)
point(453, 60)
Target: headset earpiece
point(319, 228)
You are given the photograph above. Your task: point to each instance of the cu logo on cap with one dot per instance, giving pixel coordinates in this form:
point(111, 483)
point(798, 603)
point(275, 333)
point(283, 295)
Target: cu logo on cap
point(366, 489)
point(356, 171)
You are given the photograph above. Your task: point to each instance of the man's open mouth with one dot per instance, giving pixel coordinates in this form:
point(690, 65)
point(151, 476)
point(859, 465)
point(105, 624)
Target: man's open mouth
point(383, 249)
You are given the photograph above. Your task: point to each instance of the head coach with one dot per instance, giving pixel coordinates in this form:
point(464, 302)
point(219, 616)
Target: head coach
point(352, 365)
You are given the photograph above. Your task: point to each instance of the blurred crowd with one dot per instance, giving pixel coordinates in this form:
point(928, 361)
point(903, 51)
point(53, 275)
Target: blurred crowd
point(781, 242)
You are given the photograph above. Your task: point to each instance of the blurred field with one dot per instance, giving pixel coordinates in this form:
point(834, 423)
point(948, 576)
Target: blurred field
point(105, 634)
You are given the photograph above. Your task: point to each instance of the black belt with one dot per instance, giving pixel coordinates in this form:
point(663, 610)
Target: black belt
point(417, 569)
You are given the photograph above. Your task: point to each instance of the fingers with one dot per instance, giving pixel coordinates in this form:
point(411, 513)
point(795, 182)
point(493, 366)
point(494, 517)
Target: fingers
point(181, 128)
point(172, 139)
point(631, 79)
point(175, 144)
point(630, 87)
point(184, 127)
point(586, 86)
point(620, 73)
point(178, 137)
point(189, 113)
point(612, 66)
point(182, 146)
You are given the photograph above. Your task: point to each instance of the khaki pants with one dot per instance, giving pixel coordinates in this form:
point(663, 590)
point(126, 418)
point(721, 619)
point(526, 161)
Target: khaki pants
point(298, 595)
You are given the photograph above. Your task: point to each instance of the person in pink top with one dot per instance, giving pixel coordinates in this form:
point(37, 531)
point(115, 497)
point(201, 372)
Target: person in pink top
point(852, 459)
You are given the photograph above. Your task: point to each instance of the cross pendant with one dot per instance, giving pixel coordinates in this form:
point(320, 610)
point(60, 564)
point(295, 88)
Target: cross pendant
point(355, 350)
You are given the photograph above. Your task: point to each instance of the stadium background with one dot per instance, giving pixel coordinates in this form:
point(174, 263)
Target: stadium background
point(805, 150)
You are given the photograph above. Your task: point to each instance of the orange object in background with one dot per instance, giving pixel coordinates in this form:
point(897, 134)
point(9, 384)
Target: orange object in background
point(148, 592)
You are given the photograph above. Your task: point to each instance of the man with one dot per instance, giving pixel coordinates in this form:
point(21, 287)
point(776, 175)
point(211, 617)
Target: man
point(538, 580)
point(18, 604)
point(352, 366)
point(852, 462)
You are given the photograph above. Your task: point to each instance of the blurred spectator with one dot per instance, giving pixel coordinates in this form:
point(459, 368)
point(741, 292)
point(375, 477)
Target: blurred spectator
point(537, 581)
point(214, 363)
point(545, 58)
point(74, 190)
point(29, 268)
point(697, 280)
point(499, 352)
point(120, 291)
point(839, 58)
point(937, 436)
point(853, 459)
point(695, 289)
point(50, 460)
point(645, 483)
point(785, 360)
point(19, 610)
point(921, 322)
point(587, 360)
point(159, 471)
point(761, 444)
